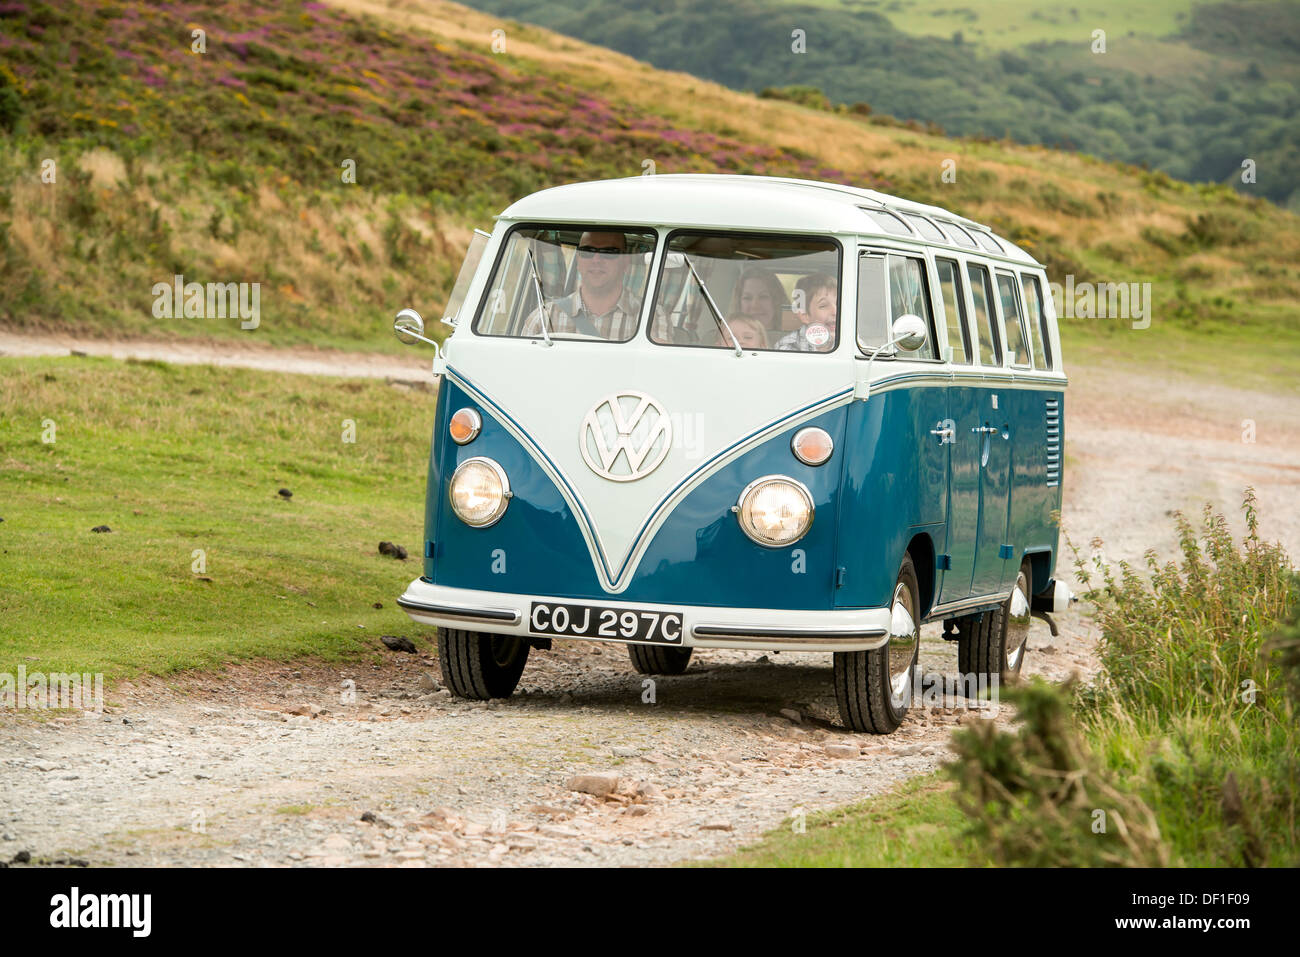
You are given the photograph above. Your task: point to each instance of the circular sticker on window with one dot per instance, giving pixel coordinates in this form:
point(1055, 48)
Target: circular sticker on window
point(817, 334)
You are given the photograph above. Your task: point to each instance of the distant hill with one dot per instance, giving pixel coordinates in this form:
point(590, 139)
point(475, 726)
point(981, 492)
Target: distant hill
point(230, 165)
point(1189, 89)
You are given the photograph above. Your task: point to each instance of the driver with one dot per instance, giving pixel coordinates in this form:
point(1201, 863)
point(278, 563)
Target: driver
point(600, 306)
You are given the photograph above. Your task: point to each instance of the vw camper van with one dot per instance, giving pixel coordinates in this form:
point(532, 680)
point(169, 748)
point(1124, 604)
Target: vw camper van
point(701, 411)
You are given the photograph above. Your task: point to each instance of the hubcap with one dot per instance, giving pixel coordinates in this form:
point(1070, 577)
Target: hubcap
point(504, 649)
point(1017, 622)
point(903, 639)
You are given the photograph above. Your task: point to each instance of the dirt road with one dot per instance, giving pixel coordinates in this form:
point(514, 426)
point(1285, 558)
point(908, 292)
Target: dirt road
point(217, 768)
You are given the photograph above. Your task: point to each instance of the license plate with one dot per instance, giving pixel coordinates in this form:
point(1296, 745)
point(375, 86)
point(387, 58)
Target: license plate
point(617, 624)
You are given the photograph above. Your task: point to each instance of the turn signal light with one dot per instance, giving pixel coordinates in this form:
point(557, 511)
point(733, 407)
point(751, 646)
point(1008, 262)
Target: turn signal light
point(812, 446)
point(465, 426)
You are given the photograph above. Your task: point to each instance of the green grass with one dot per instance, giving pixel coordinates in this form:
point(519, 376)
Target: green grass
point(1006, 24)
point(917, 825)
point(179, 458)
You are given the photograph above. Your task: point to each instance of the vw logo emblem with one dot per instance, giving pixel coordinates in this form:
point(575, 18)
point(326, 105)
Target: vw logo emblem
point(625, 436)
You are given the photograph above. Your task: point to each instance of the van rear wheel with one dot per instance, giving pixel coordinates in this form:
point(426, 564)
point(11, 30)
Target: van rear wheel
point(658, 660)
point(481, 666)
point(993, 645)
point(874, 688)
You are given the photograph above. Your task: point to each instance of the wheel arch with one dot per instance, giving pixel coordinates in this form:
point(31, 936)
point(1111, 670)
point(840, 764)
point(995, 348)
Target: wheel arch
point(921, 548)
point(1040, 569)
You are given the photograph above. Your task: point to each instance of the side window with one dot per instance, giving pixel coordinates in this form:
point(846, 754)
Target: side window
point(954, 308)
point(981, 294)
point(909, 295)
point(1013, 323)
point(1036, 319)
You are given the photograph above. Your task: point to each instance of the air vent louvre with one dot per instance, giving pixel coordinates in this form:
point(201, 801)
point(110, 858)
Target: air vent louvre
point(1053, 422)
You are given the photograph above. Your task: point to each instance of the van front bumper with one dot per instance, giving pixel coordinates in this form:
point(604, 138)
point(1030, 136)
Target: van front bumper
point(703, 626)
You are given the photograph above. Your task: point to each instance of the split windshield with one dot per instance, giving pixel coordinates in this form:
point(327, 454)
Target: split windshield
point(716, 290)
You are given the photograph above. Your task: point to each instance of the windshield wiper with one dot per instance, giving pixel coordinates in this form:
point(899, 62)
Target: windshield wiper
point(541, 301)
point(713, 306)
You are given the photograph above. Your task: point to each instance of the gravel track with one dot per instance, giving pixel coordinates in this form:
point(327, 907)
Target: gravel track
point(215, 769)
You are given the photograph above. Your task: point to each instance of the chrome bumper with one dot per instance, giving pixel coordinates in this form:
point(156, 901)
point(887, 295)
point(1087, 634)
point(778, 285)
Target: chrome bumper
point(760, 629)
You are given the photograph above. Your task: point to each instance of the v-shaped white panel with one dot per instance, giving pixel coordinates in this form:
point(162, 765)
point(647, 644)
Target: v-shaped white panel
point(628, 429)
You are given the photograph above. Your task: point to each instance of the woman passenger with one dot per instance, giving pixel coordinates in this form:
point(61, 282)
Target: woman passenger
point(760, 295)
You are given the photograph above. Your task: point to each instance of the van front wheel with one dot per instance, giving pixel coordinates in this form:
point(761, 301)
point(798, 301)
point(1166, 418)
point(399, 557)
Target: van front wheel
point(481, 666)
point(874, 688)
point(658, 660)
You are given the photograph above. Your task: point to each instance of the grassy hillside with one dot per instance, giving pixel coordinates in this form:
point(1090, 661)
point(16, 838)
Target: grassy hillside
point(1006, 24)
point(1192, 92)
point(226, 166)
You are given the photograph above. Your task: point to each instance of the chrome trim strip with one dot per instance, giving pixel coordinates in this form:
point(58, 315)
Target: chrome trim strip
point(964, 603)
point(506, 616)
point(784, 634)
point(994, 378)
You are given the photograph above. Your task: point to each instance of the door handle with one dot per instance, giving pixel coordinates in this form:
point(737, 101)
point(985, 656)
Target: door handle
point(944, 435)
point(983, 429)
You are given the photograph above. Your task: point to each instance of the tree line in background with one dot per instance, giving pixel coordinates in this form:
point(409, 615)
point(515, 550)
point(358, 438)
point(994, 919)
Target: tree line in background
point(1194, 123)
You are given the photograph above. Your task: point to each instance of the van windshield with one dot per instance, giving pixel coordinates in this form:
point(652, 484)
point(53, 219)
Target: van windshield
point(769, 292)
point(568, 282)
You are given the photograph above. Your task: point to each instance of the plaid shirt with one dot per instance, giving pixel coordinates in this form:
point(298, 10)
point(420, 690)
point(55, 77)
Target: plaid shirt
point(797, 341)
point(571, 315)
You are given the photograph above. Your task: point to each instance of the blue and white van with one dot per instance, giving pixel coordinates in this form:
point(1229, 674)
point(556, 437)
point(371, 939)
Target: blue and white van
point(683, 412)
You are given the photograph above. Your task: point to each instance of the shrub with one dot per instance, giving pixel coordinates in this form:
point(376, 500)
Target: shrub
point(1039, 798)
point(808, 96)
point(1187, 744)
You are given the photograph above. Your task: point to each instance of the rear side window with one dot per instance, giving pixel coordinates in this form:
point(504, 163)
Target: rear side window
point(1036, 319)
point(1013, 322)
point(981, 294)
point(954, 308)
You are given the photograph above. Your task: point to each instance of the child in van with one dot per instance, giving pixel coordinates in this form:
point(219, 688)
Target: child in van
point(748, 330)
point(814, 302)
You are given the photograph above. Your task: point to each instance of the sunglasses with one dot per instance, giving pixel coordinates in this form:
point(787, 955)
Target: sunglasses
point(609, 252)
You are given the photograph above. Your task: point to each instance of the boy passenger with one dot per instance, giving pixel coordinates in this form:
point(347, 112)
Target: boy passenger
point(814, 302)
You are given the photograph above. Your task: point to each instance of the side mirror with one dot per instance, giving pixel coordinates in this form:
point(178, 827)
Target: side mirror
point(409, 327)
point(909, 332)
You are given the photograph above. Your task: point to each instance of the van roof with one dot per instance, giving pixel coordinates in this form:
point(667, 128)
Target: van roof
point(750, 202)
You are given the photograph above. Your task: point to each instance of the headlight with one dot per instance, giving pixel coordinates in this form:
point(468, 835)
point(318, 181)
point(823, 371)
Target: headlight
point(775, 510)
point(479, 492)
